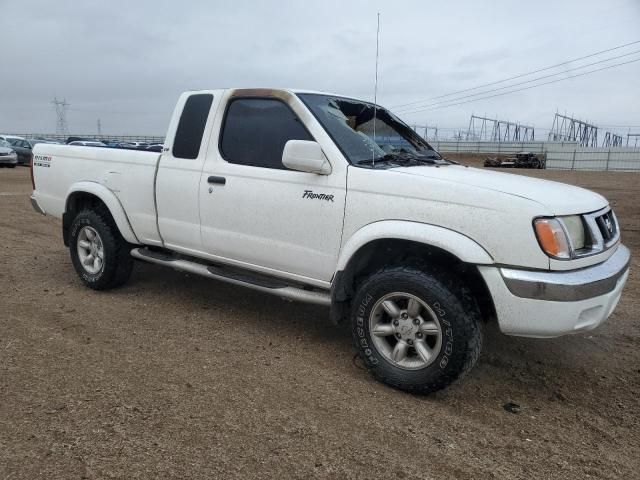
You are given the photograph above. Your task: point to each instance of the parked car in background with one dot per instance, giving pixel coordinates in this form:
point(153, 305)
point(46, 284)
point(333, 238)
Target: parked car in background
point(87, 143)
point(138, 145)
point(8, 156)
point(79, 139)
point(36, 140)
point(22, 147)
point(156, 147)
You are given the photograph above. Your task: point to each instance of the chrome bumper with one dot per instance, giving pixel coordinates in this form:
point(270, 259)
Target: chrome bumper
point(569, 286)
point(36, 206)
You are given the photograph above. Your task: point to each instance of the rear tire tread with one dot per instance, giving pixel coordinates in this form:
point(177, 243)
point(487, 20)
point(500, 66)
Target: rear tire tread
point(115, 272)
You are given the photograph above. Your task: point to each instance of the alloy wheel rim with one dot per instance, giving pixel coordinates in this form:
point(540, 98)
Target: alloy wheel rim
point(90, 250)
point(405, 330)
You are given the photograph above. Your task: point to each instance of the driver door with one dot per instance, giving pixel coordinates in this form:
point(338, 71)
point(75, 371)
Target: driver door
point(256, 212)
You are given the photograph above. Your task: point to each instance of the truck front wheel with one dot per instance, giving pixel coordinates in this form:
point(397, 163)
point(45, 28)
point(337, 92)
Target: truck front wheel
point(99, 254)
point(416, 331)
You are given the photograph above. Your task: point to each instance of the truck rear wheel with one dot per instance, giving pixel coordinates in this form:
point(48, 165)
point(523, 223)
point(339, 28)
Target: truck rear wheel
point(98, 252)
point(415, 331)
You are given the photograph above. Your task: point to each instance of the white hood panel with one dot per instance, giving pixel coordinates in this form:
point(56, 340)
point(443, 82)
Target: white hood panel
point(558, 198)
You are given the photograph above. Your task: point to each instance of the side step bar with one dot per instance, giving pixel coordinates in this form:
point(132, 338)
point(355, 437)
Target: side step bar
point(247, 279)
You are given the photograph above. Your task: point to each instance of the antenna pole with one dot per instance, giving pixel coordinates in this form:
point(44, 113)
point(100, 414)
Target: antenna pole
point(375, 94)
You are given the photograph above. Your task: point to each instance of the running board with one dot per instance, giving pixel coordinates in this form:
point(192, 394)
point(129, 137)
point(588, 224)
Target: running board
point(256, 281)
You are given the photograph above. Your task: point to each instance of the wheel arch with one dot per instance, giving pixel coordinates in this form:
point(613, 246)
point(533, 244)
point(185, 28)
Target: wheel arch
point(90, 194)
point(409, 244)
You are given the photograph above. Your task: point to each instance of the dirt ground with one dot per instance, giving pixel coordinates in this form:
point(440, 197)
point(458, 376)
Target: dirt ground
point(175, 376)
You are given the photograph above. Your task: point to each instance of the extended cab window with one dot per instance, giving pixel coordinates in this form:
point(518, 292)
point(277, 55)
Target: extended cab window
point(256, 129)
point(191, 126)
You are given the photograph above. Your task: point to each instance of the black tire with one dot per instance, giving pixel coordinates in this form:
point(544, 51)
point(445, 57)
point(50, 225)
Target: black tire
point(117, 264)
point(455, 310)
point(11, 166)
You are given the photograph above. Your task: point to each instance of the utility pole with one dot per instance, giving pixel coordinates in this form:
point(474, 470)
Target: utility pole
point(61, 116)
point(99, 128)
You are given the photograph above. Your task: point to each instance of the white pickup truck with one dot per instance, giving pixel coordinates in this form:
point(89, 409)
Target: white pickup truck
point(326, 199)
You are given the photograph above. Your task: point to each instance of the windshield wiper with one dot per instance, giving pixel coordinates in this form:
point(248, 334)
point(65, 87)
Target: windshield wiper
point(384, 158)
point(404, 158)
point(430, 159)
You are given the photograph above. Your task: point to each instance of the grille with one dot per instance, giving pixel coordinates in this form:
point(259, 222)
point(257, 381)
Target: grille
point(607, 226)
point(602, 231)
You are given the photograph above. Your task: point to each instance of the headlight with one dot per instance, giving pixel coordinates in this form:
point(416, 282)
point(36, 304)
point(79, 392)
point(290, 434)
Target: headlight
point(575, 230)
point(552, 237)
point(577, 236)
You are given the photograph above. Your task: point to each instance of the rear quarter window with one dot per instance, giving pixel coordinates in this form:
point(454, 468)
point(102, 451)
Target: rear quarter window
point(188, 138)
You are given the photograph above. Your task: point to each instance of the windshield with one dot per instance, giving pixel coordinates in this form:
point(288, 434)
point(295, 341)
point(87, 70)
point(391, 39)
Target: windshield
point(4, 143)
point(351, 125)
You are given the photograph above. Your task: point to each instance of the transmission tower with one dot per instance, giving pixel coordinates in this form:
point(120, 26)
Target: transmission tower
point(458, 135)
point(61, 116)
point(568, 129)
point(612, 140)
point(635, 136)
point(430, 133)
point(99, 128)
point(494, 130)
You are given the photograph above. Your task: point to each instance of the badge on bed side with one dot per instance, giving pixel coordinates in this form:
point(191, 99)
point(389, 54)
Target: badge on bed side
point(42, 161)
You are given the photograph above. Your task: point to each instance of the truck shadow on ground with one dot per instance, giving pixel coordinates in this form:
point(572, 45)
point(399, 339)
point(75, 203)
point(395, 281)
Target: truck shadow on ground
point(533, 368)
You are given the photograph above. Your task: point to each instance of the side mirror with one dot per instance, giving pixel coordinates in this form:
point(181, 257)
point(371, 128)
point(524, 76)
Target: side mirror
point(305, 156)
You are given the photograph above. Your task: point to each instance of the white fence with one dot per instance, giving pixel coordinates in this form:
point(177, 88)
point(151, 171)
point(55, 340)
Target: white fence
point(115, 138)
point(560, 155)
point(585, 158)
point(493, 147)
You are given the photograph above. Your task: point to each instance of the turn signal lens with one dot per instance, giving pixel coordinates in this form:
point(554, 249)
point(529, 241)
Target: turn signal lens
point(552, 238)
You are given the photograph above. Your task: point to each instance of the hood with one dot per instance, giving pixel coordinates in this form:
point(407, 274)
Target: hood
point(6, 150)
point(559, 198)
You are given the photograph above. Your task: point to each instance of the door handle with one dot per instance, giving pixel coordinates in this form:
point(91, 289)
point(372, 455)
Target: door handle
point(219, 180)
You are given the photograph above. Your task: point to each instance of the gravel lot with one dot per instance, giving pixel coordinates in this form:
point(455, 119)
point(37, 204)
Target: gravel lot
point(175, 376)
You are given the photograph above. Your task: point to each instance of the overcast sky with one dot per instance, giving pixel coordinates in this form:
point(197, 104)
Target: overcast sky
point(126, 62)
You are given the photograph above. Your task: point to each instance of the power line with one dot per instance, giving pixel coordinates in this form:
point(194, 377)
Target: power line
point(526, 81)
point(524, 88)
point(518, 76)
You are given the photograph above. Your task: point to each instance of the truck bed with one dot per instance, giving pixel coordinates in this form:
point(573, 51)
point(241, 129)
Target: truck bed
point(128, 174)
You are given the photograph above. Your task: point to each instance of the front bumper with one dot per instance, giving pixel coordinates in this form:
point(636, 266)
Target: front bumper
point(36, 206)
point(550, 304)
point(8, 159)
